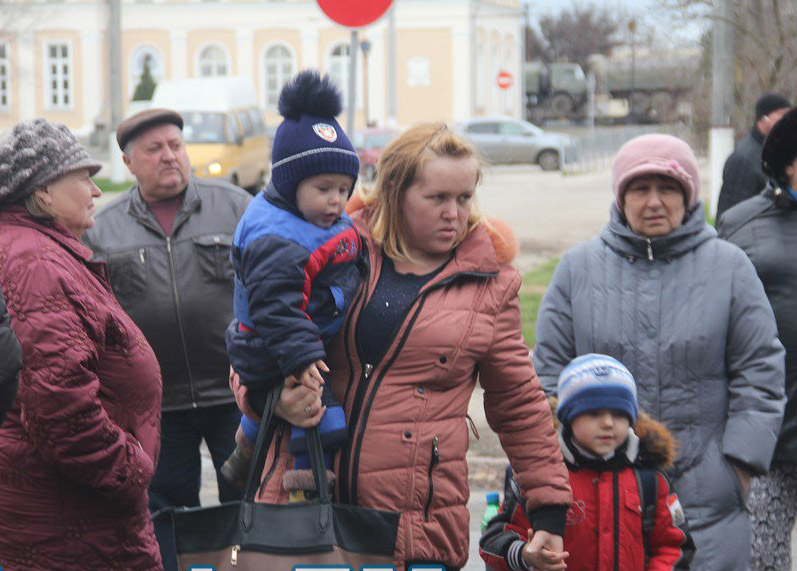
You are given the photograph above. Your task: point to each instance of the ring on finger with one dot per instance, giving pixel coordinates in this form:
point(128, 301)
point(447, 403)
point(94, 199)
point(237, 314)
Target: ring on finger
point(307, 410)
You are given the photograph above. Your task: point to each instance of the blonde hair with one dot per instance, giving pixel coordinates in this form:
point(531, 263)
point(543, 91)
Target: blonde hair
point(398, 168)
point(38, 208)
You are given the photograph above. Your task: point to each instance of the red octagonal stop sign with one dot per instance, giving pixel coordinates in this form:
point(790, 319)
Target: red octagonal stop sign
point(354, 13)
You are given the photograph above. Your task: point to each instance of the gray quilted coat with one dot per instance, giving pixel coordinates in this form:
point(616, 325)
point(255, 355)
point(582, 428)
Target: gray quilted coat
point(688, 316)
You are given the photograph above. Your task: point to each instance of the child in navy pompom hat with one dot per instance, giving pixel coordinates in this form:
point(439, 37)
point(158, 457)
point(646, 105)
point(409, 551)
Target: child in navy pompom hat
point(295, 255)
point(624, 513)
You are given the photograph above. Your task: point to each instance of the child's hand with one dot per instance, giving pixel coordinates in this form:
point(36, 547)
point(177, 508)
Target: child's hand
point(311, 376)
point(545, 551)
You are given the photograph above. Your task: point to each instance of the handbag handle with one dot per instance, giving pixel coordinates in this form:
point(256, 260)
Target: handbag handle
point(264, 437)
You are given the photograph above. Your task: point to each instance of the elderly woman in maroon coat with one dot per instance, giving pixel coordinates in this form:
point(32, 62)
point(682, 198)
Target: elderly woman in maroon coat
point(80, 444)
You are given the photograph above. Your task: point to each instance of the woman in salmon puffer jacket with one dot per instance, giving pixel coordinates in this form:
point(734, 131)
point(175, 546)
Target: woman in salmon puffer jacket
point(438, 311)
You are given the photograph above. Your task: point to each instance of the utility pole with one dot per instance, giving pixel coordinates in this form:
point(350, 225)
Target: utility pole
point(355, 45)
point(632, 112)
point(722, 74)
point(365, 46)
point(115, 80)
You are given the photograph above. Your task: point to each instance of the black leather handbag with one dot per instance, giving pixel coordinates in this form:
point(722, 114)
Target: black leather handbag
point(249, 536)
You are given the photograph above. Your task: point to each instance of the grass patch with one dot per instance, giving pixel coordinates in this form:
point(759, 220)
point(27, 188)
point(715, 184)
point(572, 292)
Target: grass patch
point(534, 285)
point(106, 185)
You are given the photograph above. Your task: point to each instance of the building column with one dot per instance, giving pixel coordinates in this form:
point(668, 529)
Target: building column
point(179, 54)
point(309, 49)
point(26, 76)
point(93, 77)
point(377, 76)
point(245, 53)
point(464, 66)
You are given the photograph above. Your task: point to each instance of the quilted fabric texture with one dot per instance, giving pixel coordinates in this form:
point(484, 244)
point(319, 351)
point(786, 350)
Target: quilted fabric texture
point(79, 447)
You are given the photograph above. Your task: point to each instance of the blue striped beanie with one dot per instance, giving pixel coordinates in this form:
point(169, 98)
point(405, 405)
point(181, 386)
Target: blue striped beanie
point(595, 382)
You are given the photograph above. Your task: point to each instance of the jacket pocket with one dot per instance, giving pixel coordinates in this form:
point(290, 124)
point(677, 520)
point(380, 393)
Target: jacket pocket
point(213, 256)
point(128, 273)
point(433, 462)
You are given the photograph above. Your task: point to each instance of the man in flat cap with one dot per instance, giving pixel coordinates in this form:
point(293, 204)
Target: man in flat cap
point(742, 176)
point(167, 245)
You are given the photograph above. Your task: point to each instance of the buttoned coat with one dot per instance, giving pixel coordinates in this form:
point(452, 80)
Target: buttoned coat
point(407, 413)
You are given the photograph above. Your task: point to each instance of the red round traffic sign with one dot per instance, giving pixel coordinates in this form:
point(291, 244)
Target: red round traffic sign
point(505, 79)
point(354, 13)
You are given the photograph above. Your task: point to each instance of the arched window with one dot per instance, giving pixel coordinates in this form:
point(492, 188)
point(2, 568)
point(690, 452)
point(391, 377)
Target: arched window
point(279, 67)
point(142, 58)
point(339, 69)
point(213, 62)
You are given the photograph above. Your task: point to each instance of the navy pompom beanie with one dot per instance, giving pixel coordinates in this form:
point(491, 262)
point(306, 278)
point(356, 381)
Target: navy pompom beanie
point(596, 382)
point(310, 141)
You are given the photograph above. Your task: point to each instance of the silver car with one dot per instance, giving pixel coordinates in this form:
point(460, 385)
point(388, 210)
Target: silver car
point(501, 140)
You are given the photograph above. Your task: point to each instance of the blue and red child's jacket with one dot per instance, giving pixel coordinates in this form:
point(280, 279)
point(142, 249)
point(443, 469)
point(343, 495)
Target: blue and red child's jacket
point(293, 283)
point(604, 529)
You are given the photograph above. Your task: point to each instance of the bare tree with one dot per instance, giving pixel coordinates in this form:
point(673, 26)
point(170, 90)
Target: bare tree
point(765, 54)
point(573, 35)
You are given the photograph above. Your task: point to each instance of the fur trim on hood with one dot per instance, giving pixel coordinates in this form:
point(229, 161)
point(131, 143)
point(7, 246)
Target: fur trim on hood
point(501, 235)
point(657, 447)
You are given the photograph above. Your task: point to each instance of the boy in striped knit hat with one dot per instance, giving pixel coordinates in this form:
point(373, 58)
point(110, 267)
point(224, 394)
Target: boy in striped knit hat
point(624, 513)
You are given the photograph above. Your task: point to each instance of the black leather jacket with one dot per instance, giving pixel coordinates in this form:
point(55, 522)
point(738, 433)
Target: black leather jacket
point(178, 289)
point(10, 362)
point(765, 227)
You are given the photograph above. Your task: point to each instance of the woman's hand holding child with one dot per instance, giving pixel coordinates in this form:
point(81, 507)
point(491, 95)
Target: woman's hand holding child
point(545, 551)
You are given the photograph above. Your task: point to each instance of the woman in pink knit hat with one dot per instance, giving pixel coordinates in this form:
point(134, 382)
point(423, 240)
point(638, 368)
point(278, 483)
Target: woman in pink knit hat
point(687, 314)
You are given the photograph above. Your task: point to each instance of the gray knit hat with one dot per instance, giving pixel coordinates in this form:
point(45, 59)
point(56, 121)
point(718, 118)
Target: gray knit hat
point(38, 152)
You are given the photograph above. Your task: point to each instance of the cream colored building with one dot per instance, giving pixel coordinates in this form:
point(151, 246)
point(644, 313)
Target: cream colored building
point(448, 53)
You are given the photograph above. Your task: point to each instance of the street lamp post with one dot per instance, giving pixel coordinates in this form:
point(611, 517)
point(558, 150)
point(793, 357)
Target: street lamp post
point(365, 46)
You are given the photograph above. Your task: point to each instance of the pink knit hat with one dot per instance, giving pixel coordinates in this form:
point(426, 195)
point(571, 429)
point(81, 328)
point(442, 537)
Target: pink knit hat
point(656, 154)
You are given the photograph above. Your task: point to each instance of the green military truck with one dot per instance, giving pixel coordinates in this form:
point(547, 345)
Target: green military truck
point(654, 89)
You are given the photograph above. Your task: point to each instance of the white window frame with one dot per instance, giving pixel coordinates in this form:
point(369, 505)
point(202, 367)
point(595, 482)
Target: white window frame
point(69, 76)
point(332, 61)
point(5, 77)
point(133, 74)
point(282, 79)
point(227, 60)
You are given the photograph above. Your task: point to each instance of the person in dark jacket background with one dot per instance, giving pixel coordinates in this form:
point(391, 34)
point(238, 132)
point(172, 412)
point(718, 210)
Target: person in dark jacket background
point(167, 245)
point(742, 176)
point(686, 313)
point(10, 362)
point(80, 444)
point(765, 227)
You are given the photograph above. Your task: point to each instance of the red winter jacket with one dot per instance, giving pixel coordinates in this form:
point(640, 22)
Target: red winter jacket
point(406, 414)
point(595, 539)
point(79, 447)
